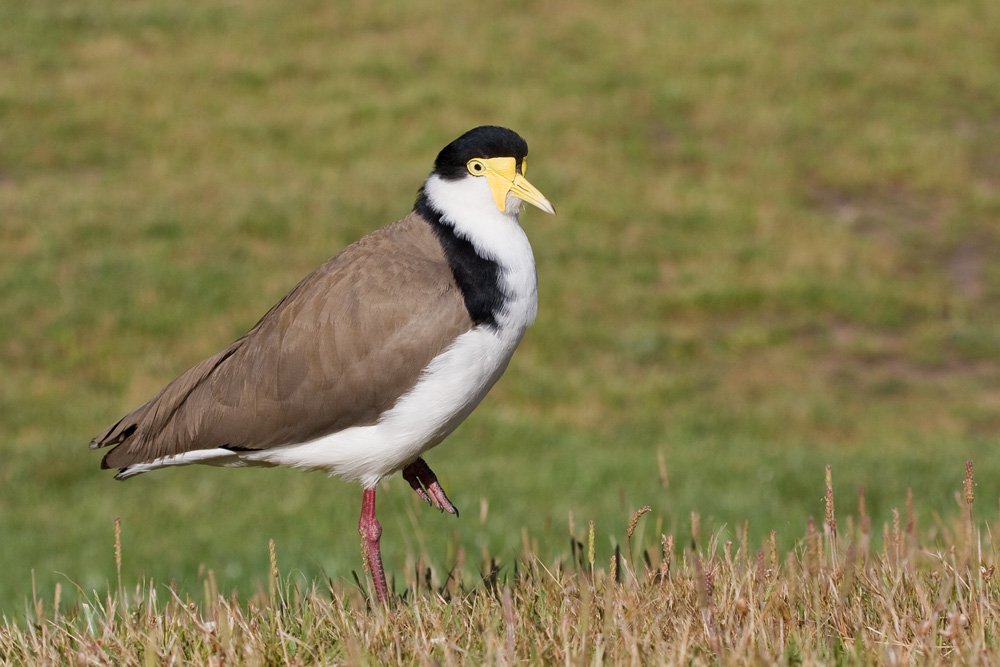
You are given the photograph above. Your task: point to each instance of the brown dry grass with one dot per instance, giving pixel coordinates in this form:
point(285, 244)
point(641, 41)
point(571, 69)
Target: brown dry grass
point(835, 598)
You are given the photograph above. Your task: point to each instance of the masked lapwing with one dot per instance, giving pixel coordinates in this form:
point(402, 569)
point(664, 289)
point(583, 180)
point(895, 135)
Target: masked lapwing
point(373, 358)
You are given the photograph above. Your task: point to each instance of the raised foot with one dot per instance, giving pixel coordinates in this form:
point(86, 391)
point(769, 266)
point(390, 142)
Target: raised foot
point(425, 483)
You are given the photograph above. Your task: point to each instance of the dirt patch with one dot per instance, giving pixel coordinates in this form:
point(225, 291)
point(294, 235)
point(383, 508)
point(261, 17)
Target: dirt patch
point(921, 231)
point(888, 215)
point(966, 265)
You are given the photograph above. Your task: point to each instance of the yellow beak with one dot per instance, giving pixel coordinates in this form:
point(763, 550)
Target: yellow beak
point(503, 178)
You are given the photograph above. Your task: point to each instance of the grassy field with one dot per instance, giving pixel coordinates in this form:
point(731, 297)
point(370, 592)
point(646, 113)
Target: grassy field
point(922, 598)
point(775, 249)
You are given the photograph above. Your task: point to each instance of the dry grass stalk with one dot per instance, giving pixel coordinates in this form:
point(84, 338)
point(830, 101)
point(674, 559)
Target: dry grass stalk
point(668, 556)
point(273, 578)
point(897, 536)
point(745, 540)
point(830, 518)
point(510, 627)
point(590, 544)
point(118, 549)
point(484, 511)
point(630, 531)
point(661, 465)
point(969, 498)
point(772, 543)
point(969, 485)
point(814, 550)
point(864, 521)
point(705, 607)
point(634, 520)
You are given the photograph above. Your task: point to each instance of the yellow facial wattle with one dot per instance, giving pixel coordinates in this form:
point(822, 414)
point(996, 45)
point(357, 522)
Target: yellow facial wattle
point(503, 178)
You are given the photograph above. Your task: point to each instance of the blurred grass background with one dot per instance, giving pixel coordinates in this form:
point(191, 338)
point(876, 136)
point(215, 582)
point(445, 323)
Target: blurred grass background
point(775, 249)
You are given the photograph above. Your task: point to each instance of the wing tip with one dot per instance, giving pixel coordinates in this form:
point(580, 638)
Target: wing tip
point(107, 465)
point(111, 438)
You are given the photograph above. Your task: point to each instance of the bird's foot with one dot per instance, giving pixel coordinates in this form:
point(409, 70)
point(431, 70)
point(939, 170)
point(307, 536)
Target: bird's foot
point(425, 483)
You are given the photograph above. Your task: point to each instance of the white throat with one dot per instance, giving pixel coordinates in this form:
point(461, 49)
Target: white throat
point(467, 205)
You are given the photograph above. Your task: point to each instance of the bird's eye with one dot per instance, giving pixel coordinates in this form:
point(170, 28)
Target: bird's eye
point(476, 167)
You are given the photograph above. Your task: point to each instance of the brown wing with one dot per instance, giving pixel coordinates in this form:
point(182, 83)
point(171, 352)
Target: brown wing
point(337, 351)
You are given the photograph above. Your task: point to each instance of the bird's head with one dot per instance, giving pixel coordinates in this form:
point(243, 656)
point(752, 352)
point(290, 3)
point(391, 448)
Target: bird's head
point(488, 163)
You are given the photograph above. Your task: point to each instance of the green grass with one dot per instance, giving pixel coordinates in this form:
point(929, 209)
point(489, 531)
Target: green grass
point(774, 250)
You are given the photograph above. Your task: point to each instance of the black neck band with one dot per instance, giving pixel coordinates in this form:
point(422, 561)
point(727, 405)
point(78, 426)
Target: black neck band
point(476, 276)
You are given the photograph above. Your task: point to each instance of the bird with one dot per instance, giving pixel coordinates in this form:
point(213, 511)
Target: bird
point(373, 358)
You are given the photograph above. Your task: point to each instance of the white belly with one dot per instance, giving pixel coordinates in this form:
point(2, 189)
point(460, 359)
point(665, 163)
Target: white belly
point(449, 389)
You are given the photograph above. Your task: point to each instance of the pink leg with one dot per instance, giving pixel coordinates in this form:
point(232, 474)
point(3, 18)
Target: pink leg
point(371, 533)
point(425, 483)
